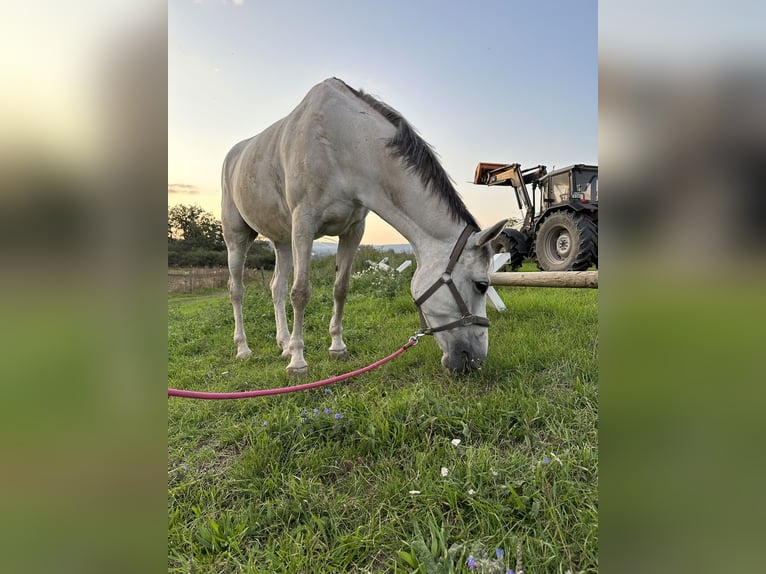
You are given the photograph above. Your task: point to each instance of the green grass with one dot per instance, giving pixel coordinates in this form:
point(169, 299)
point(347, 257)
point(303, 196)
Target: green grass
point(267, 485)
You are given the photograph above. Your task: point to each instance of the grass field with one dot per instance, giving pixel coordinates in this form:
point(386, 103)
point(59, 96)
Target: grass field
point(404, 469)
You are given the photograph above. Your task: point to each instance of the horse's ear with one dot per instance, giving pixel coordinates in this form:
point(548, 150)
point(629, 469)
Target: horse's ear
point(488, 234)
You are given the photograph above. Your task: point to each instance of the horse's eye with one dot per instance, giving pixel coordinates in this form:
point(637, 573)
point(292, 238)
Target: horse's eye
point(481, 286)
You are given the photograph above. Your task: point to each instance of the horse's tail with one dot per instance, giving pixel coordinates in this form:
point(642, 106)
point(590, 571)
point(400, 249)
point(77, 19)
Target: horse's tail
point(231, 219)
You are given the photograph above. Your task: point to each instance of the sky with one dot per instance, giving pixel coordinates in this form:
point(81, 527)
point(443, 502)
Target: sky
point(495, 81)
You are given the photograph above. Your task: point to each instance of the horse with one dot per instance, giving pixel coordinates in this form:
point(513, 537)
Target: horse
point(338, 155)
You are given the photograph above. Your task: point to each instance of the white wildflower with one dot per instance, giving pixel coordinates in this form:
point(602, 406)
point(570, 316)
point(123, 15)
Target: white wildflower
point(471, 491)
point(455, 441)
point(445, 471)
point(414, 492)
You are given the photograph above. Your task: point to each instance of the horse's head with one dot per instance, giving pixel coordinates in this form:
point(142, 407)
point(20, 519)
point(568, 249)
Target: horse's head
point(451, 298)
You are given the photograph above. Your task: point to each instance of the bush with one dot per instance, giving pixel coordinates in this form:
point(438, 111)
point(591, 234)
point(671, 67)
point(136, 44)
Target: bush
point(378, 283)
point(260, 256)
point(195, 239)
point(198, 257)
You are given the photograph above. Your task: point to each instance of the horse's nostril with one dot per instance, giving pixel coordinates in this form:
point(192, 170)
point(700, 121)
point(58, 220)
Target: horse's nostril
point(461, 362)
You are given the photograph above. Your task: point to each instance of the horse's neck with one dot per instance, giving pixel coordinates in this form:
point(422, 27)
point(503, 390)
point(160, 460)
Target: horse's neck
point(421, 217)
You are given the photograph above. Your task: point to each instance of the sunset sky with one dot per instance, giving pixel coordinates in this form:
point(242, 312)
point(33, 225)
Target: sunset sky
point(495, 81)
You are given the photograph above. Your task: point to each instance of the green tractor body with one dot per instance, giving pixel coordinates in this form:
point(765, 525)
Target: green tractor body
point(559, 228)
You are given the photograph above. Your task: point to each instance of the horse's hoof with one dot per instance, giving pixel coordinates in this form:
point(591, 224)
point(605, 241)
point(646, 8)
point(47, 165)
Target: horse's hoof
point(244, 354)
point(297, 371)
point(339, 355)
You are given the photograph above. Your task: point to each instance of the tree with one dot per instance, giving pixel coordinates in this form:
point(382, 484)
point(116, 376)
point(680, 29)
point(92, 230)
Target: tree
point(190, 226)
point(195, 239)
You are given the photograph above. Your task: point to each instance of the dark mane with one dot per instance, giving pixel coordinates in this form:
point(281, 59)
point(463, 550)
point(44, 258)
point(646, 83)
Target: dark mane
point(419, 157)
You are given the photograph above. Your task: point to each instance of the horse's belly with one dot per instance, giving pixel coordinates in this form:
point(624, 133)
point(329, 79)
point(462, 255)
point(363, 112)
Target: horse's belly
point(337, 228)
point(340, 219)
point(269, 217)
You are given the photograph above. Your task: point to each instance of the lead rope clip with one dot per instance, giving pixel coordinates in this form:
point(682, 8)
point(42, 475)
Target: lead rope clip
point(416, 337)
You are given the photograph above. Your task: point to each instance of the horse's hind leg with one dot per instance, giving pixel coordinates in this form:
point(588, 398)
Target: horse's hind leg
point(282, 268)
point(347, 246)
point(238, 237)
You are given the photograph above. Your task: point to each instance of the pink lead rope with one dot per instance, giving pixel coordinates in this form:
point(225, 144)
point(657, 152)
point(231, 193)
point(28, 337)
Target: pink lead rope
point(295, 388)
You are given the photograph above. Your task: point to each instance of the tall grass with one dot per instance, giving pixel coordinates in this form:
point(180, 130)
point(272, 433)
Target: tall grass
point(405, 469)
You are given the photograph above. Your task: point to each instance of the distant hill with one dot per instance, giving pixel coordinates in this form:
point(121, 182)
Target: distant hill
point(395, 247)
point(325, 248)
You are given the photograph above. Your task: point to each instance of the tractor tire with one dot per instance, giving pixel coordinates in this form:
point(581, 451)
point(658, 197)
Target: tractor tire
point(566, 242)
point(504, 243)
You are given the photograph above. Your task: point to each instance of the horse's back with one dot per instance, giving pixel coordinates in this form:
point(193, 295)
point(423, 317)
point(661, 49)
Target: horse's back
point(315, 159)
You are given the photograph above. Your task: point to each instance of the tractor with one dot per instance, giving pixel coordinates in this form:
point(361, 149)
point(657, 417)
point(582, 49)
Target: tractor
point(559, 229)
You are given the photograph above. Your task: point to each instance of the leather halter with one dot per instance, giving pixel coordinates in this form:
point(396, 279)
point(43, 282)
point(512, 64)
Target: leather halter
point(467, 317)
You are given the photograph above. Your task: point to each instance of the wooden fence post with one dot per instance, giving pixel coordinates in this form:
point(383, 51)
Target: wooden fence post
point(586, 279)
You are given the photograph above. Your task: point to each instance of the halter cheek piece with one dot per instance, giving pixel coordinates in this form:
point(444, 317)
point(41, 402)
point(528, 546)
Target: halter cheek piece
point(467, 317)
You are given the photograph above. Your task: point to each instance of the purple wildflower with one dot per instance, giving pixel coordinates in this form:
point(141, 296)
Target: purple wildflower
point(316, 411)
point(499, 553)
point(472, 563)
point(546, 460)
point(337, 416)
point(328, 411)
point(510, 571)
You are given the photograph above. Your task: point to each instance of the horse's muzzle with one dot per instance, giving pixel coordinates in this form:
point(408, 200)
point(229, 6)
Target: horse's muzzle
point(461, 362)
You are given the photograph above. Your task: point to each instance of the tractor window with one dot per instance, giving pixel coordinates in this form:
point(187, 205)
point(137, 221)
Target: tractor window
point(560, 187)
point(587, 182)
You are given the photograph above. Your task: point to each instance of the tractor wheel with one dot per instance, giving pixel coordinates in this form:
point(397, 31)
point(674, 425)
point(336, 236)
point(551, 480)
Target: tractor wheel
point(566, 242)
point(504, 243)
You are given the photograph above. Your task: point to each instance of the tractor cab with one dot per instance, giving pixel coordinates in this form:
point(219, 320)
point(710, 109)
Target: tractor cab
point(574, 183)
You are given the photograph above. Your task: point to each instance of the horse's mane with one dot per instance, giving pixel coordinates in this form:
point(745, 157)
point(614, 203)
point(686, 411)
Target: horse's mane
point(419, 157)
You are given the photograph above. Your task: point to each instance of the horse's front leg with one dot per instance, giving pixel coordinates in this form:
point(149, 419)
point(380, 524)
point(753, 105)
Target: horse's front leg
point(347, 247)
point(283, 266)
point(299, 296)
